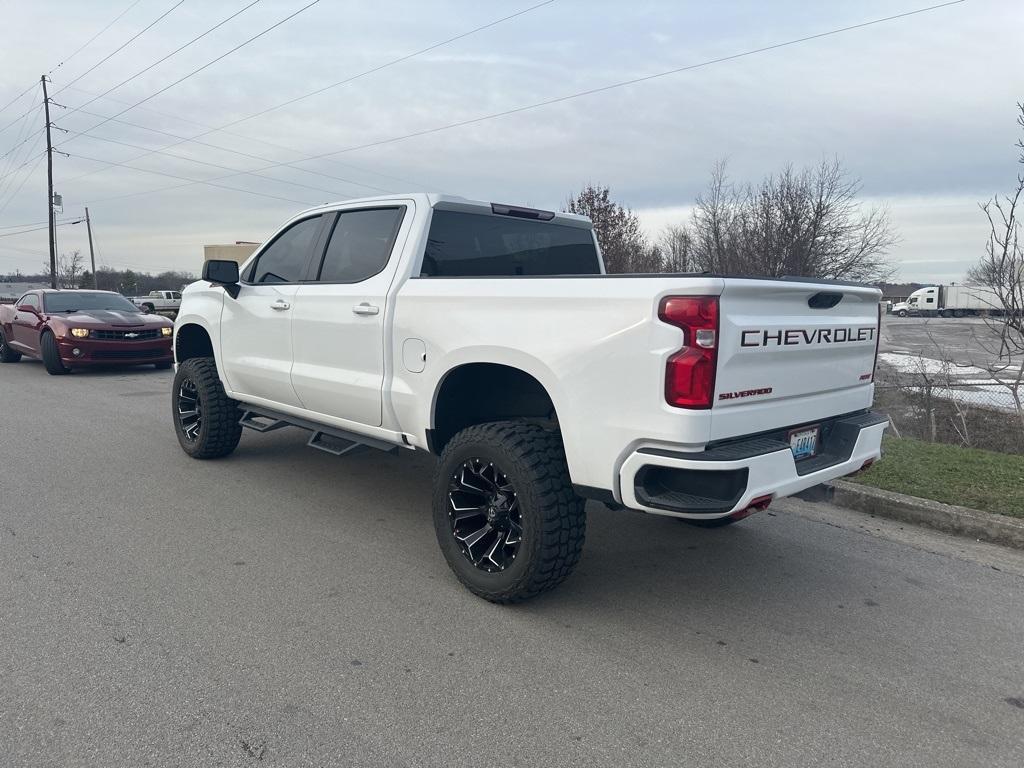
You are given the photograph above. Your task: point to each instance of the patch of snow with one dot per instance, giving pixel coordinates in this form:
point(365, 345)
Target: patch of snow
point(926, 365)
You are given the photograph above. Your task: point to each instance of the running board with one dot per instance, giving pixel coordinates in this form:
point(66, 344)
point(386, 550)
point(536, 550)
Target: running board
point(337, 442)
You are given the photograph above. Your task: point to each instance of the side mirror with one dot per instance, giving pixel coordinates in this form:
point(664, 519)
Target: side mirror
point(27, 308)
point(220, 272)
point(223, 273)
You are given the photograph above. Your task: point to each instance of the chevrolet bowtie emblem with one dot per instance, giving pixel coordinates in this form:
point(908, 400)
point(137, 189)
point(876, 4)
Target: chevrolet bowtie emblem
point(130, 335)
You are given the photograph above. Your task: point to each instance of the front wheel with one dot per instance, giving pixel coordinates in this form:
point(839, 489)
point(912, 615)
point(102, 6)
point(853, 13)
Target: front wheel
point(51, 355)
point(505, 514)
point(901, 313)
point(205, 418)
point(7, 355)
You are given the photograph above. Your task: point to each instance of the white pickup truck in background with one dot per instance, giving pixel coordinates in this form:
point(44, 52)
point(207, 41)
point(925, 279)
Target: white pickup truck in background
point(158, 301)
point(490, 336)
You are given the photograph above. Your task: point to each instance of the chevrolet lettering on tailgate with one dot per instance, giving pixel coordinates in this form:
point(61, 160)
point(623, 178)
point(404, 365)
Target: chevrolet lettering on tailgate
point(802, 336)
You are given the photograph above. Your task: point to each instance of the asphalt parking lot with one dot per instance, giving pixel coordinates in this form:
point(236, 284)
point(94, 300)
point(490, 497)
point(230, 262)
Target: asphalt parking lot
point(968, 340)
point(283, 607)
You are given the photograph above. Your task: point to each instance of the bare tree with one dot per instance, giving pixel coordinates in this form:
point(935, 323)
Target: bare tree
point(807, 222)
point(675, 246)
point(1002, 269)
point(70, 268)
point(623, 244)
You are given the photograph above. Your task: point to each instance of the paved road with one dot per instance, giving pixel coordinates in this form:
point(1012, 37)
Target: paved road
point(286, 608)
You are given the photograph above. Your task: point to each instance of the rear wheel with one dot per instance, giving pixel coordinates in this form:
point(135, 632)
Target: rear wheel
point(7, 355)
point(958, 313)
point(148, 309)
point(205, 418)
point(946, 313)
point(505, 514)
point(51, 355)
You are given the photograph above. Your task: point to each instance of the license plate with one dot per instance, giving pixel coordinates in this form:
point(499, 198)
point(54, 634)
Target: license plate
point(804, 442)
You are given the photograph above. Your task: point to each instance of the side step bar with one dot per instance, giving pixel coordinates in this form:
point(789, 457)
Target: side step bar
point(337, 442)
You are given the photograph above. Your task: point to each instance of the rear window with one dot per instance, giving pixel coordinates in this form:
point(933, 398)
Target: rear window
point(479, 245)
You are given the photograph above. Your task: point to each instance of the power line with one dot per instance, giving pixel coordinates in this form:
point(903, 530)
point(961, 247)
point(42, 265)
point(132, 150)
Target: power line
point(217, 147)
point(23, 141)
point(40, 229)
point(391, 63)
point(16, 98)
point(169, 55)
point(188, 159)
point(236, 135)
point(15, 120)
point(125, 44)
point(190, 181)
point(592, 91)
point(204, 66)
point(344, 81)
point(22, 184)
point(86, 44)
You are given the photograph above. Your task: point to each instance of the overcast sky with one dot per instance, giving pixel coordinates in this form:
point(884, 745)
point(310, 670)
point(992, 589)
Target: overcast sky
point(922, 109)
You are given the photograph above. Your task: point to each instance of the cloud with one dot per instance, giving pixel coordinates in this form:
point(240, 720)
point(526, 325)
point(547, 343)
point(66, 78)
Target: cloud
point(916, 108)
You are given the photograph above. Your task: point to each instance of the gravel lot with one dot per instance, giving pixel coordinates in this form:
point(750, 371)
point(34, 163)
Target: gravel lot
point(283, 607)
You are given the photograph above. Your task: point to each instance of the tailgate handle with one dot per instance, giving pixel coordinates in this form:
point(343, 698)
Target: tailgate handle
point(824, 300)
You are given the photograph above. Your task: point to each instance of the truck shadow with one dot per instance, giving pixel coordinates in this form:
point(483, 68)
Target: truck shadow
point(636, 569)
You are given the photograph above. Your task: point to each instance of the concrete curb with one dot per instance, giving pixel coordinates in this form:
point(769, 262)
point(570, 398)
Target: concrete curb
point(985, 526)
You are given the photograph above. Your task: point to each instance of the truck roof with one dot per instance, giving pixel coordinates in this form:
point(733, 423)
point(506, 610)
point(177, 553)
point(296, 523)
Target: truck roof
point(458, 203)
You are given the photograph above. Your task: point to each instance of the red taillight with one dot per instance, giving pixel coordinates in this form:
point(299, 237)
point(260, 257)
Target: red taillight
point(690, 372)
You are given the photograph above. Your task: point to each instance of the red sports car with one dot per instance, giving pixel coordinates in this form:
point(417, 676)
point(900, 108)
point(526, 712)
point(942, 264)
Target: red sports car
point(76, 329)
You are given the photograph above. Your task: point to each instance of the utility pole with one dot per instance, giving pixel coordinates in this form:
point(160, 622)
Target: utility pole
point(49, 188)
point(92, 256)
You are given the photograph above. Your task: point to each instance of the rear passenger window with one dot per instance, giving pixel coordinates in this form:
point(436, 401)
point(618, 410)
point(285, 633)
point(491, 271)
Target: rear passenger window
point(360, 244)
point(285, 259)
point(479, 245)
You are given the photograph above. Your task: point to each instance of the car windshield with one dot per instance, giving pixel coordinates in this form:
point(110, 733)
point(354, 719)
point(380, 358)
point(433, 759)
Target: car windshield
point(73, 301)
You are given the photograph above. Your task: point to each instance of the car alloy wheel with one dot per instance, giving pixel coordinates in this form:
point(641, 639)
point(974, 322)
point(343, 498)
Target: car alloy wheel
point(189, 408)
point(484, 515)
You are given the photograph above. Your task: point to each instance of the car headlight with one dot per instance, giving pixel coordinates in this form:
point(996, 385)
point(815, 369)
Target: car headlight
point(80, 333)
point(167, 331)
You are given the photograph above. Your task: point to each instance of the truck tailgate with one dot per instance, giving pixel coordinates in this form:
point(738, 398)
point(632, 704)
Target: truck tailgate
point(792, 352)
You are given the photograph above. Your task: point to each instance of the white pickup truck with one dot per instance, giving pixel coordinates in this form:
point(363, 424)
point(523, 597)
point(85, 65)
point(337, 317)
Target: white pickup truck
point(490, 336)
point(158, 301)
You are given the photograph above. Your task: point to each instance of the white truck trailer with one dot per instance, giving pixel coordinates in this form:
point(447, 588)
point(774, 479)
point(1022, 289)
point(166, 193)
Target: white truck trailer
point(950, 301)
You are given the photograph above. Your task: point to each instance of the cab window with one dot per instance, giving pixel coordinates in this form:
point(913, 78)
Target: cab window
point(360, 244)
point(286, 258)
point(29, 299)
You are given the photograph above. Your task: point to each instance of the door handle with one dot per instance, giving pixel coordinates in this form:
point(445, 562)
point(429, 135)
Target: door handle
point(365, 309)
point(280, 305)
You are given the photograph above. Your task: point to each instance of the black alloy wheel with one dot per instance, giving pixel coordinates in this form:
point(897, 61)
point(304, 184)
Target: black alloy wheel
point(506, 516)
point(484, 515)
point(188, 407)
point(205, 418)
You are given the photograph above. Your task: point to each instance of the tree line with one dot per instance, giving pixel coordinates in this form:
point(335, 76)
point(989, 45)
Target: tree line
point(71, 273)
point(807, 222)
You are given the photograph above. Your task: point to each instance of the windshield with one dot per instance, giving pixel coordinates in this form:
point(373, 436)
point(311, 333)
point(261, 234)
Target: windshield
point(73, 301)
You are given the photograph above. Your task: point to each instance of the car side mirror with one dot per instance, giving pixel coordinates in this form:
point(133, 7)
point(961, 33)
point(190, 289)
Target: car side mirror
point(223, 273)
point(27, 308)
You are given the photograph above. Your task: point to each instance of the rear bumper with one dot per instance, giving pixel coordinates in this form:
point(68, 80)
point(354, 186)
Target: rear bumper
point(727, 479)
point(93, 353)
